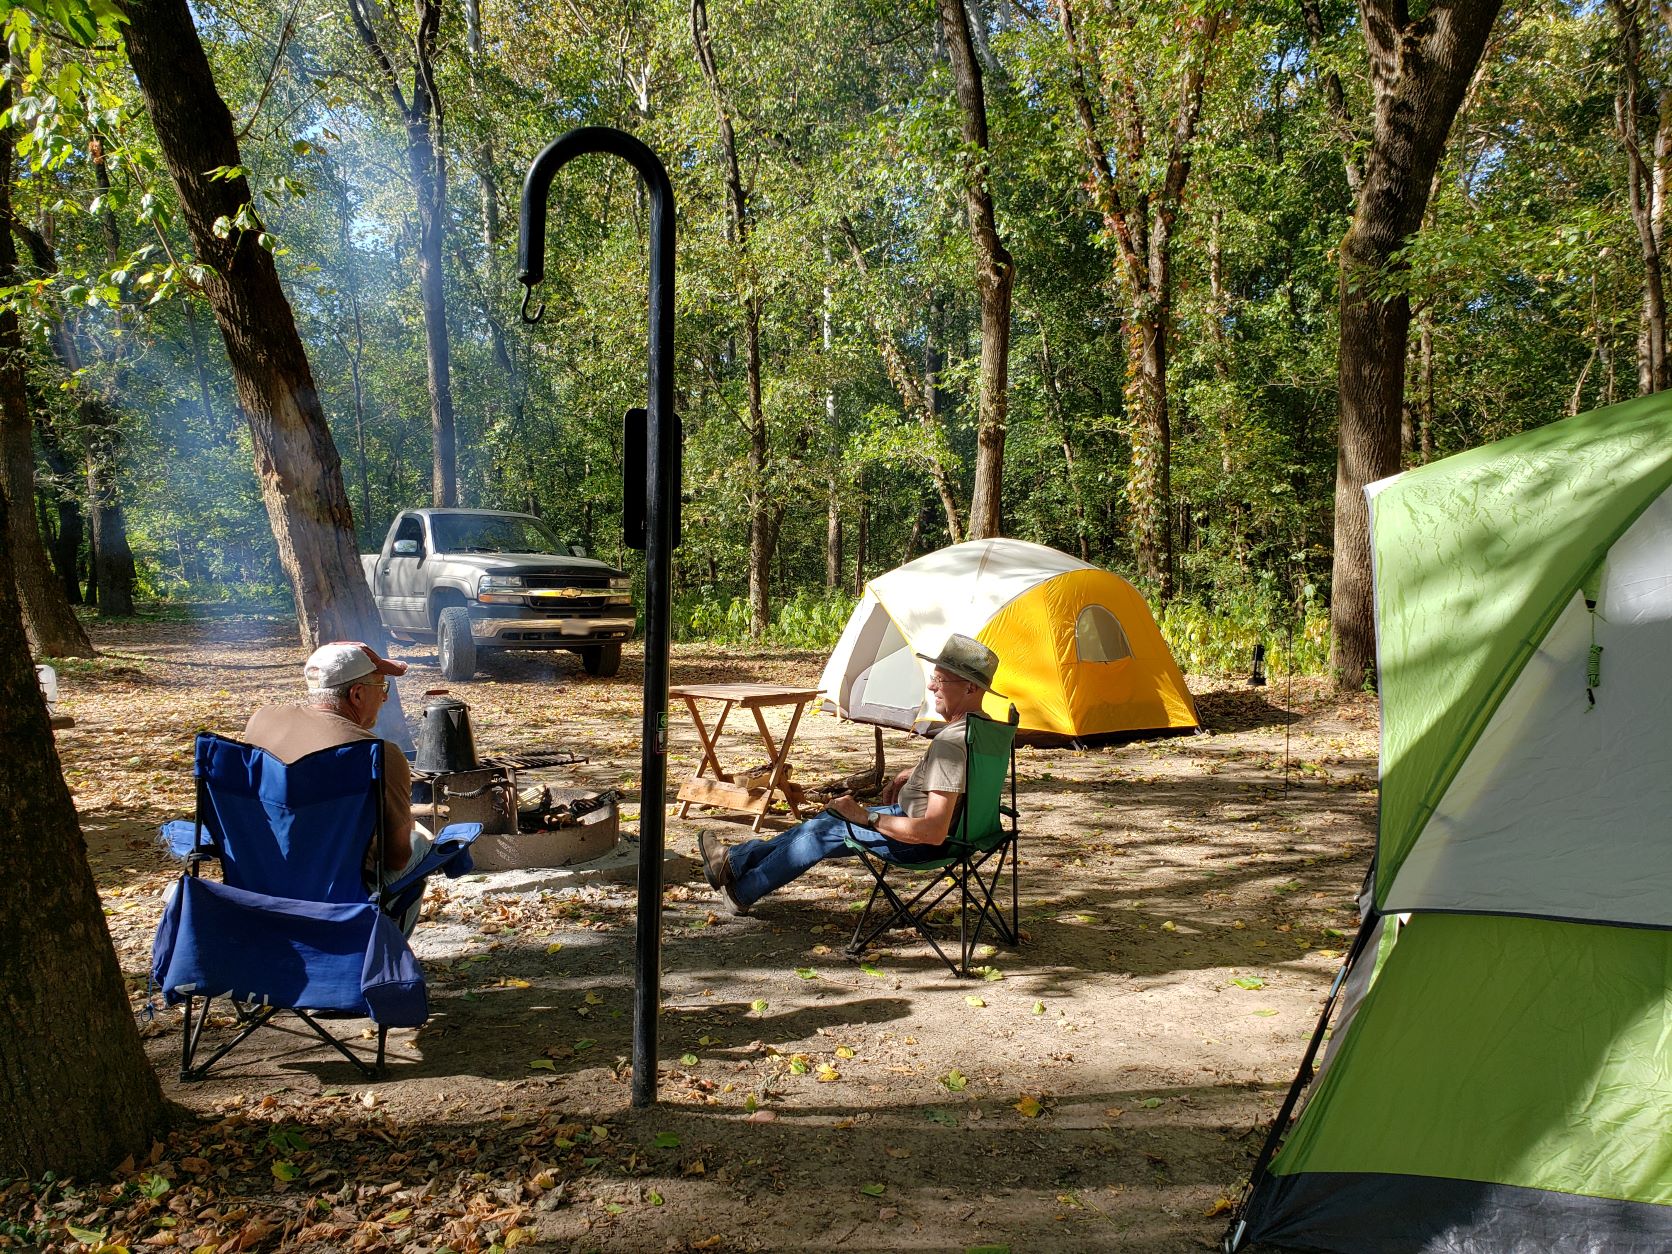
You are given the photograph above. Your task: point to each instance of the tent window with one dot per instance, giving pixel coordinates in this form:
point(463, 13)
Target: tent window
point(1098, 636)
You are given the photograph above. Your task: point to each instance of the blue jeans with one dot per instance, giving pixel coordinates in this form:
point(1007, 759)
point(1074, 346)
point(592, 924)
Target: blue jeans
point(762, 866)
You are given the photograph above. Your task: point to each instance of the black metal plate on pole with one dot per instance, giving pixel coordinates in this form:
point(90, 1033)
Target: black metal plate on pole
point(661, 495)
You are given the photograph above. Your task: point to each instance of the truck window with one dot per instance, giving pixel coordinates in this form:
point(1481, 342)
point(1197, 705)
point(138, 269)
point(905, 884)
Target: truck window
point(410, 529)
point(490, 533)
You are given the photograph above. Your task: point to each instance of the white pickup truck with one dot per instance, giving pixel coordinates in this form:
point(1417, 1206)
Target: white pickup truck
point(473, 579)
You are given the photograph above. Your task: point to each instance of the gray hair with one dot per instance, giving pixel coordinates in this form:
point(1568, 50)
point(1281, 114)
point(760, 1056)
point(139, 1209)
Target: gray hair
point(333, 696)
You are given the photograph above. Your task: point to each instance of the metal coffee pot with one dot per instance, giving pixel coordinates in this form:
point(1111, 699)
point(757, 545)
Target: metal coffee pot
point(445, 743)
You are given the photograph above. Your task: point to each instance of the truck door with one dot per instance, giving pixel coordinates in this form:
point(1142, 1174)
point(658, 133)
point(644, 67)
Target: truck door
point(400, 588)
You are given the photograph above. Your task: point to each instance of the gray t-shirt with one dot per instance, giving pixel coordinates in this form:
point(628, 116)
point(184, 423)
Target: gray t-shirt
point(942, 770)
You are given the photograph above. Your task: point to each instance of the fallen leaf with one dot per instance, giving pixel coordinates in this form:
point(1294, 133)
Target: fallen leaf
point(763, 1116)
point(667, 1140)
point(287, 1171)
point(955, 1080)
point(654, 1198)
point(807, 973)
point(1249, 982)
point(543, 1064)
point(554, 947)
point(1220, 1206)
point(1265, 1014)
point(827, 1073)
point(1038, 1007)
point(687, 1060)
point(874, 1189)
point(1029, 1106)
point(758, 1006)
point(1150, 1103)
point(872, 970)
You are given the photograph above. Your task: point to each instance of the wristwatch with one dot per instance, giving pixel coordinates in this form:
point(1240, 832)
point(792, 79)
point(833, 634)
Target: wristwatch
point(871, 822)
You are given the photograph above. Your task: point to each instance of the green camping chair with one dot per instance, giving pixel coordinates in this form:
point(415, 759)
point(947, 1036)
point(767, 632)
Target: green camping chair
point(979, 848)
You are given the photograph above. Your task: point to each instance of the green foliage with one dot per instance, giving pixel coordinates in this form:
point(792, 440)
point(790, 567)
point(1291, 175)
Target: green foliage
point(1525, 281)
point(1220, 640)
point(808, 619)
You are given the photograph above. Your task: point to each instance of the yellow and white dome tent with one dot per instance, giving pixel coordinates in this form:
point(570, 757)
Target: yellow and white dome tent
point(1079, 652)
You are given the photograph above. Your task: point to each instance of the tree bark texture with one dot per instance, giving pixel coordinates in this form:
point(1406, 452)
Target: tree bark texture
point(77, 1093)
point(764, 516)
point(52, 626)
point(296, 461)
point(1645, 188)
point(1419, 71)
point(1139, 219)
point(995, 275)
point(421, 115)
point(112, 571)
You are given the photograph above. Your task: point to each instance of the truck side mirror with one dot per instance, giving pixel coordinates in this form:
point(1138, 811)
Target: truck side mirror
point(406, 548)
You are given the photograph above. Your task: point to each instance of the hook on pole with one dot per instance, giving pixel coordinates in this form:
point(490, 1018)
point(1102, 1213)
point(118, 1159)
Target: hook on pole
point(528, 295)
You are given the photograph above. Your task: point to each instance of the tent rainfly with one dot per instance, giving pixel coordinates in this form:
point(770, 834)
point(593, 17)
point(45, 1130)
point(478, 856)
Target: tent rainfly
point(1079, 652)
point(1500, 1079)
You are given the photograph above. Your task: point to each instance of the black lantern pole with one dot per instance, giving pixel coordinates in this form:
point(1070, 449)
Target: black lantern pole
point(660, 496)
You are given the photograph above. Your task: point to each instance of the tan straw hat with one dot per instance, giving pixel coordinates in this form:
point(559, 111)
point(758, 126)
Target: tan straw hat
point(969, 659)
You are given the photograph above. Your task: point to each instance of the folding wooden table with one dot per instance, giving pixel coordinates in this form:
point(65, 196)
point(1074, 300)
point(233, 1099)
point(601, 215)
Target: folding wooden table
point(753, 792)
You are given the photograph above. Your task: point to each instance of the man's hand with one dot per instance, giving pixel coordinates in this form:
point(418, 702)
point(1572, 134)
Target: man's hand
point(852, 811)
point(891, 791)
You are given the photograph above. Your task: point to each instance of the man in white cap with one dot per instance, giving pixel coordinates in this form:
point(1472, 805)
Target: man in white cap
point(918, 805)
point(348, 682)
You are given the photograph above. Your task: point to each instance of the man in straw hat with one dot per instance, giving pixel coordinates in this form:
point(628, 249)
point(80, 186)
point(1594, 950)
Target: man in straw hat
point(916, 814)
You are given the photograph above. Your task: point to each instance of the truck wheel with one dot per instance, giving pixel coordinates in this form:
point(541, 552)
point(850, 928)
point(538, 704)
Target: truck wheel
point(455, 650)
point(603, 660)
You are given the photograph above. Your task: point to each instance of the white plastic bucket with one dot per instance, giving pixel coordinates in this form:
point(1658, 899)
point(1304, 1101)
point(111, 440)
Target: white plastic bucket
point(48, 679)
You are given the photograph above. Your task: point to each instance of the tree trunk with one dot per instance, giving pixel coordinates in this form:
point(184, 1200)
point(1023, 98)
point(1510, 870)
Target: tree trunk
point(1138, 219)
point(426, 163)
point(832, 533)
point(113, 560)
point(1644, 186)
point(1419, 72)
point(113, 567)
point(296, 461)
point(861, 538)
point(995, 275)
point(66, 542)
point(52, 626)
point(763, 516)
point(77, 1093)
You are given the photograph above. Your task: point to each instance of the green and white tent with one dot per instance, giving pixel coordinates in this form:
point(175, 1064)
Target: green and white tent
point(1501, 1077)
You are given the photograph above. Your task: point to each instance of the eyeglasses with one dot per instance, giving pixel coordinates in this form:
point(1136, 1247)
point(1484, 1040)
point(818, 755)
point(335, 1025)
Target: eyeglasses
point(381, 685)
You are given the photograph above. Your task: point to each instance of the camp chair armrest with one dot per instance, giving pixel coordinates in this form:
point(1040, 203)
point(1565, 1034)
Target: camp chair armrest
point(179, 838)
point(450, 854)
point(1009, 812)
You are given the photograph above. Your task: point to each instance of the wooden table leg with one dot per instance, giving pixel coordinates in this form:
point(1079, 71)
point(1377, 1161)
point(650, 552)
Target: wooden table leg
point(709, 759)
point(778, 756)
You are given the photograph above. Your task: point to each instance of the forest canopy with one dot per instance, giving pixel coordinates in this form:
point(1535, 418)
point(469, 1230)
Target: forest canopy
point(1160, 191)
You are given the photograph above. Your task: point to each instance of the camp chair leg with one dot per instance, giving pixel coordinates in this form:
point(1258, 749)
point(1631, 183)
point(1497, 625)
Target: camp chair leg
point(382, 1041)
point(360, 1065)
point(903, 913)
point(251, 1022)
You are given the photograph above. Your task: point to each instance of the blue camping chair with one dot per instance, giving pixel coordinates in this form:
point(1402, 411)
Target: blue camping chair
point(291, 924)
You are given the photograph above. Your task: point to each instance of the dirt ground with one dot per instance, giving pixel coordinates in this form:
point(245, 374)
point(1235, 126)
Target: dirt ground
point(1104, 1087)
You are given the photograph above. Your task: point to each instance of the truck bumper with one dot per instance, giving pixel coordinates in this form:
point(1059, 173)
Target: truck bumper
point(535, 633)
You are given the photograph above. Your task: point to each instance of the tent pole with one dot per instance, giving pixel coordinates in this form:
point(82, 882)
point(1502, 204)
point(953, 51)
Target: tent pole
point(1238, 1226)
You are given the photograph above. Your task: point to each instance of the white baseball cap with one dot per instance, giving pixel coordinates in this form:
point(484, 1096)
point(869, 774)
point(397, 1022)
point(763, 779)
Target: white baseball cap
point(344, 661)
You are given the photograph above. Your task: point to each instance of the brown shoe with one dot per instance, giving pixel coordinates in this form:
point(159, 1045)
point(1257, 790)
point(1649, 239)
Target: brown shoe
point(716, 867)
